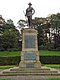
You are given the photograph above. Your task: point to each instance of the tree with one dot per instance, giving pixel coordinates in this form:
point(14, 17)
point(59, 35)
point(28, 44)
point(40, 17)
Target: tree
point(21, 24)
point(2, 23)
point(9, 24)
point(40, 36)
point(41, 25)
point(55, 27)
point(10, 39)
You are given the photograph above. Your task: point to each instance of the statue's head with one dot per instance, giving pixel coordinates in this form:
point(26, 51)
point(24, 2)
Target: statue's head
point(29, 4)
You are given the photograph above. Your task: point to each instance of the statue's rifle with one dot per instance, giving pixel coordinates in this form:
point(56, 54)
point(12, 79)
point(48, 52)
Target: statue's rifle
point(25, 17)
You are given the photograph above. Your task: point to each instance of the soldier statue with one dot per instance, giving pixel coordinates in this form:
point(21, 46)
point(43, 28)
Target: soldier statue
point(29, 12)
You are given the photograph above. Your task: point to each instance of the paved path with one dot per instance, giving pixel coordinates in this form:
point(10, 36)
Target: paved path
point(1, 70)
point(28, 77)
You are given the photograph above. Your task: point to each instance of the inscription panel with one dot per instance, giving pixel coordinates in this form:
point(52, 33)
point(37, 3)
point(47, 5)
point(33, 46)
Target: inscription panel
point(29, 41)
point(29, 55)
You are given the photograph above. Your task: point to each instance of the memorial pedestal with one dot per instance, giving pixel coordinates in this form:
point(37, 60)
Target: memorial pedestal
point(29, 54)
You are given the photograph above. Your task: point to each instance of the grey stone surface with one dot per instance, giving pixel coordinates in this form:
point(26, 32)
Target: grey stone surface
point(29, 55)
point(42, 76)
point(28, 77)
point(29, 41)
point(30, 65)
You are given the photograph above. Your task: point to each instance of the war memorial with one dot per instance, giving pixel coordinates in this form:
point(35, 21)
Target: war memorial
point(30, 67)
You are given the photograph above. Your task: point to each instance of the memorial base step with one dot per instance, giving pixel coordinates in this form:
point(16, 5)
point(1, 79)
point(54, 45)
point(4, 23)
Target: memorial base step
point(31, 71)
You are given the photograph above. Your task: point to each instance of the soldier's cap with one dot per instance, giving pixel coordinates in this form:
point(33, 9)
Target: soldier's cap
point(29, 3)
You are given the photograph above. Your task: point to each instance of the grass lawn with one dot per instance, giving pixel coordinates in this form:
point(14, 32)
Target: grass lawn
point(49, 53)
point(47, 79)
point(41, 52)
point(5, 53)
point(53, 65)
point(7, 67)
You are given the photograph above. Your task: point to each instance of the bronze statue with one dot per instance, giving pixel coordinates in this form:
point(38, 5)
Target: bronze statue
point(29, 12)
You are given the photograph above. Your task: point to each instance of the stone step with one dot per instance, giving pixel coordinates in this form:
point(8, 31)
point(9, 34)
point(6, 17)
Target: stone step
point(30, 69)
point(35, 71)
point(16, 73)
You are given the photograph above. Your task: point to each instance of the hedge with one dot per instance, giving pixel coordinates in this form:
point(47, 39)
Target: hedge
point(50, 59)
point(15, 60)
point(10, 60)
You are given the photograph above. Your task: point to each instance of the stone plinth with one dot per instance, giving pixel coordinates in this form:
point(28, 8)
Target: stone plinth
point(29, 40)
point(29, 54)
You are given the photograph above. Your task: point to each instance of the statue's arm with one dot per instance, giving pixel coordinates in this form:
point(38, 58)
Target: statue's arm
point(33, 11)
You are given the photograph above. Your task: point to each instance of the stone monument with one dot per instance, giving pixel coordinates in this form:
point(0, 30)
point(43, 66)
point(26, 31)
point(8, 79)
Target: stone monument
point(30, 64)
point(29, 54)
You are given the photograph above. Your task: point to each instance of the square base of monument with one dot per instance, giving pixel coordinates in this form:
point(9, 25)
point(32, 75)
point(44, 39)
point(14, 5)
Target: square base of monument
point(30, 59)
point(30, 65)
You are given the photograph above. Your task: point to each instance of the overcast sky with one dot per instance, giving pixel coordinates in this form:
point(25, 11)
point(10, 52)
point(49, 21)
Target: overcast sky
point(13, 9)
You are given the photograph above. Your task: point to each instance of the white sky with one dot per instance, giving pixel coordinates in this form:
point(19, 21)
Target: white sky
point(13, 9)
